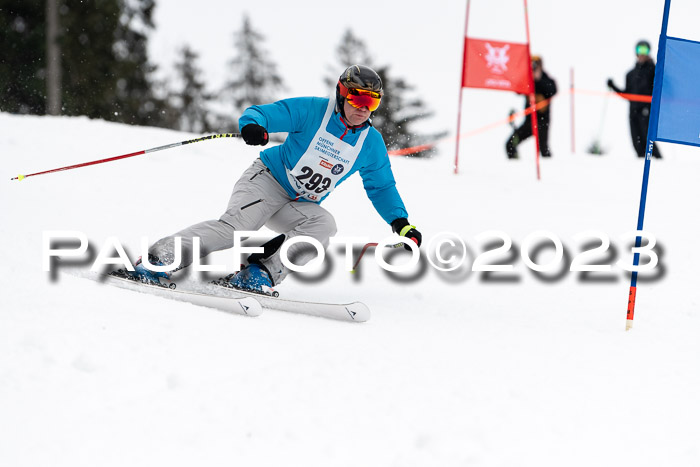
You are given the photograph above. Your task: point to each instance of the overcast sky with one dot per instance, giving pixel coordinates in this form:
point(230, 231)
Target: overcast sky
point(421, 40)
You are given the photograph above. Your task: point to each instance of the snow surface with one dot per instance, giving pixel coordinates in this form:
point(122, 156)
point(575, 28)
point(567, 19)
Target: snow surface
point(452, 369)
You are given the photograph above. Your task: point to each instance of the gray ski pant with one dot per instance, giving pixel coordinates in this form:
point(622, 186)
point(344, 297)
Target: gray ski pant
point(257, 200)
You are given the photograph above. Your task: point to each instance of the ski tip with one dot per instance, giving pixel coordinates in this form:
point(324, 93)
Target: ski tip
point(358, 312)
point(250, 306)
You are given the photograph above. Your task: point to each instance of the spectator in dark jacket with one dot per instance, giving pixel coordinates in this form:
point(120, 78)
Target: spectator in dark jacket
point(545, 88)
point(640, 80)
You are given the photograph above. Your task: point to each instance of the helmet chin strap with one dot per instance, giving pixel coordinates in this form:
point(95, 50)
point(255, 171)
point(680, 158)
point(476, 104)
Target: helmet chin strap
point(339, 102)
point(341, 111)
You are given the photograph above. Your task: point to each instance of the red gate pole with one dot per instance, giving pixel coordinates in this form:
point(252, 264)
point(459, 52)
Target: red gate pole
point(573, 126)
point(461, 88)
point(533, 115)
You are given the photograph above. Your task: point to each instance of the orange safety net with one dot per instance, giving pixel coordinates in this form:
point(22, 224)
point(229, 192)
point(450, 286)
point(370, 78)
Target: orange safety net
point(512, 117)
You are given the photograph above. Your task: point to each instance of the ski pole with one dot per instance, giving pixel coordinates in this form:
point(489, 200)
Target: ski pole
point(362, 253)
point(597, 147)
point(124, 156)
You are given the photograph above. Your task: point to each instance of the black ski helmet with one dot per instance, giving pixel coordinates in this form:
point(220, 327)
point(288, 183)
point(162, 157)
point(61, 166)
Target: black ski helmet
point(357, 77)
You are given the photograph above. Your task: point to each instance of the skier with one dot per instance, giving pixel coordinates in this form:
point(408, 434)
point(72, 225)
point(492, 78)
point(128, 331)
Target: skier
point(328, 140)
point(545, 88)
point(640, 80)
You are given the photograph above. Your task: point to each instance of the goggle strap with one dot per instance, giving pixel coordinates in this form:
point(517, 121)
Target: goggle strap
point(344, 91)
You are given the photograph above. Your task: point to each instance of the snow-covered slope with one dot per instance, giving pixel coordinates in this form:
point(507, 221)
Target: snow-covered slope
point(452, 369)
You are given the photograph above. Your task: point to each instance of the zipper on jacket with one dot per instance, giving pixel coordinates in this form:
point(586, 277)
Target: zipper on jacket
point(353, 128)
point(260, 172)
point(346, 129)
point(252, 204)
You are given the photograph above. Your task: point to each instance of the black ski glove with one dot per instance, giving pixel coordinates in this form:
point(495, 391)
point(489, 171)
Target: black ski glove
point(612, 86)
point(403, 228)
point(254, 135)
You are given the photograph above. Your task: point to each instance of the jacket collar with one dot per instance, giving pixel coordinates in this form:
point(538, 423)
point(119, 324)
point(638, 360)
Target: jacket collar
point(355, 128)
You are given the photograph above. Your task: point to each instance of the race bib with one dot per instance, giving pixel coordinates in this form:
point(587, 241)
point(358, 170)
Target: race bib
point(325, 162)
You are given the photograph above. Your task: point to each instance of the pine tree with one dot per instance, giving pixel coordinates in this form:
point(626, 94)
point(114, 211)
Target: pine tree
point(351, 51)
point(398, 111)
point(22, 57)
point(254, 79)
point(89, 63)
point(192, 99)
point(136, 98)
point(105, 72)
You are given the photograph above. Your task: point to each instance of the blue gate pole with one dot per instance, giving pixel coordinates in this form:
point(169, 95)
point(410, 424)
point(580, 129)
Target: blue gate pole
point(651, 137)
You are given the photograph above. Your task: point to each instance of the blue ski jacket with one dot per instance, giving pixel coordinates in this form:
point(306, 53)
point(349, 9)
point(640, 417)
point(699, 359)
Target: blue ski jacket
point(301, 117)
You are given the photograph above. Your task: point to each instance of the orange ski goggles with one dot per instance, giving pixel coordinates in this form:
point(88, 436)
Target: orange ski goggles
point(359, 98)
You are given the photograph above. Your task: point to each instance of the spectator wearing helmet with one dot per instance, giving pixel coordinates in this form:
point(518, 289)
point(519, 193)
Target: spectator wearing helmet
point(328, 140)
point(639, 80)
point(545, 89)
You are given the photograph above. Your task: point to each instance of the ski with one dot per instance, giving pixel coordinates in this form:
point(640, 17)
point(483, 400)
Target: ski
point(247, 306)
point(219, 295)
point(356, 312)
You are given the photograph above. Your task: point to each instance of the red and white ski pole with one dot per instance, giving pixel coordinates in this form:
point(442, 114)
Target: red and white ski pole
point(124, 156)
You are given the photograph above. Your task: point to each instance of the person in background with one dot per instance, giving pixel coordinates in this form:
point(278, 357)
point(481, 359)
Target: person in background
point(640, 80)
point(328, 140)
point(545, 89)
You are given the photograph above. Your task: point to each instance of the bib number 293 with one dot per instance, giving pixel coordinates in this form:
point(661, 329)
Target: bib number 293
point(316, 182)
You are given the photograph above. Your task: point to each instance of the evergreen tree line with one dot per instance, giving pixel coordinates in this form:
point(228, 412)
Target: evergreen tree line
point(70, 57)
point(101, 45)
